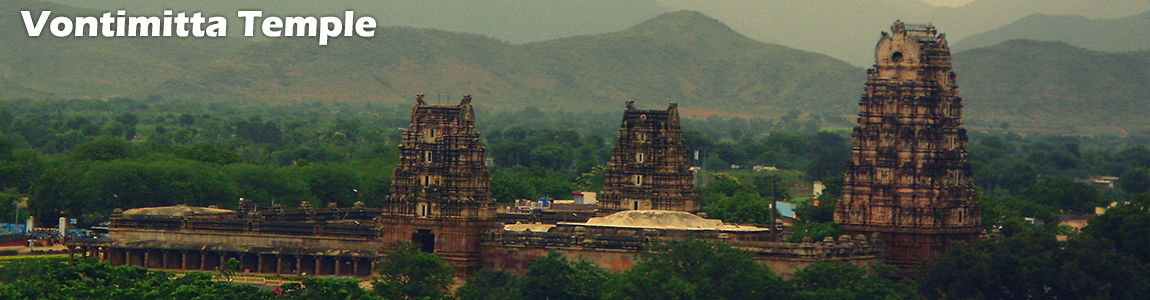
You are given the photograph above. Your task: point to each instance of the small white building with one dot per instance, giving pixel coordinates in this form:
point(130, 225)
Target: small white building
point(584, 197)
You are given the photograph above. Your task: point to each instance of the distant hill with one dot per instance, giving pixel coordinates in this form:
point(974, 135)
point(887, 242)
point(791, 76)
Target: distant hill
point(683, 57)
point(48, 66)
point(1110, 35)
point(517, 21)
point(1054, 86)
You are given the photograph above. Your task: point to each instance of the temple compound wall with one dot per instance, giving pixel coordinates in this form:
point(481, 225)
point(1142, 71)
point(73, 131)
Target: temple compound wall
point(615, 242)
point(330, 241)
point(908, 177)
point(650, 165)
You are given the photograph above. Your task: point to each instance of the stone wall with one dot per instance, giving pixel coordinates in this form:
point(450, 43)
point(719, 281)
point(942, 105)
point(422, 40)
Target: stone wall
point(618, 249)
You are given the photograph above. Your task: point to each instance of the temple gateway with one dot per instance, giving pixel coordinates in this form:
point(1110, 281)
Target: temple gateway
point(908, 177)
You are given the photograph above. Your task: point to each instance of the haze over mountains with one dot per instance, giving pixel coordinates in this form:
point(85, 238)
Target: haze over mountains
point(844, 29)
point(684, 57)
point(516, 21)
point(1111, 35)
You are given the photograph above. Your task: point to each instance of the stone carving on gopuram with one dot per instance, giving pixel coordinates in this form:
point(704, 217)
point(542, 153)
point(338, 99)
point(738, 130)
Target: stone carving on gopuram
point(908, 177)
point(440, 192)
point(650, 167)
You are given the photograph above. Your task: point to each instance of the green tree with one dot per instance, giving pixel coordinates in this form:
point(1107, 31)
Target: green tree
point(228, 269)
point(1029, 266)
point(312, 288)
point(554, 277)
point(331, 182)
point(408, 273)
point(490, 285)
point(6, 146)
point(103, 148)
point(95, 279)
point(1136, 181)
point(693, 269)
point(771, 186)
point(1064, 194)
point(834, 186)
point(839, 280)
point(1126, 225)
point(1019, 175)
point(817, 231)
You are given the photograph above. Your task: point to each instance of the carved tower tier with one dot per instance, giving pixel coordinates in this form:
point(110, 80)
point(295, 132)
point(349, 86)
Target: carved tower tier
point(908, 177)
point(440, 189)
point(650, 166)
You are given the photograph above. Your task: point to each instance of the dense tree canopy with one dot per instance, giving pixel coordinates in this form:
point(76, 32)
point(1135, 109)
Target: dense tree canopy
point(687, 269)
point(1029, 266)
point(408, 273)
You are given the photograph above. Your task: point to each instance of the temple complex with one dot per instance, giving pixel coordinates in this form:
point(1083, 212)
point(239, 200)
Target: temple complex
point(440, 199)
point(650, 166)
point(908, 177)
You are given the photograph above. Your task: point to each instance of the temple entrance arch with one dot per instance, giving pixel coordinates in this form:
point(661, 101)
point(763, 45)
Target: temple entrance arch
point(425, 239)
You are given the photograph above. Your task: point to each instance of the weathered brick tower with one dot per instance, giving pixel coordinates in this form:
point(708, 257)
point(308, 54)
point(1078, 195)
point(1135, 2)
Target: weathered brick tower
point(649, 167)
point(440, 195)
point(908, 177)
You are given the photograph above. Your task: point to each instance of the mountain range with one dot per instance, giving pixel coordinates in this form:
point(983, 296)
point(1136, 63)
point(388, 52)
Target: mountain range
point(844, 29)
point(685, 57)
point(1054, 87)
point(516, 21)
point(1110, 35)
point(848, 29)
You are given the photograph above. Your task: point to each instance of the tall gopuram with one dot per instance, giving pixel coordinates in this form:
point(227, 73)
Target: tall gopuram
point(440, 190)
point(908, 177)
point(650, 166)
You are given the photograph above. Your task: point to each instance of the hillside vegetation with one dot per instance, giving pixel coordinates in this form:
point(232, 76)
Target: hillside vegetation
point(1054, 87)
point(684, 57)
point(517, 21)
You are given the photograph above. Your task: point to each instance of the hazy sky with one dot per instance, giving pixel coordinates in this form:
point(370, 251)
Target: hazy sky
point(953, 3)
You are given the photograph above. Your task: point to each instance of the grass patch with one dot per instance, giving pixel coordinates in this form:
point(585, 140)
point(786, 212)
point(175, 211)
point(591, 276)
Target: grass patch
point(6, 259)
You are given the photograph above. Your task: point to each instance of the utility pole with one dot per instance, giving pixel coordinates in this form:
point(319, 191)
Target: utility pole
point(774, 229)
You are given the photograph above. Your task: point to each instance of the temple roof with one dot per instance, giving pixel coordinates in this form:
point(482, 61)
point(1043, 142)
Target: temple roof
point(174, 211)
point(663, 219)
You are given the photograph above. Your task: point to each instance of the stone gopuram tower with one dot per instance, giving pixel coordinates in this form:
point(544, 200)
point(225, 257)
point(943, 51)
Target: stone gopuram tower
point(908, 177)
point(650, 167)
point(440, 190)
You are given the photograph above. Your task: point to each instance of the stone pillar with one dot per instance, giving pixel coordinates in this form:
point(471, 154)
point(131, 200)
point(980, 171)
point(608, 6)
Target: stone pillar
point(355, 267)
point(147, 255)
point(318, 259)
point(298, 264)
point(183, 259)
point(259, 263)
point(338, 265)
point(203, 260)
point(279, 264)
point(127, 257)
point(164, 256)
